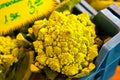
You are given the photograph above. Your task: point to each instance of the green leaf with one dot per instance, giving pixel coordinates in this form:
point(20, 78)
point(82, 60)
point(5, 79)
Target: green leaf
point(51, 75)
point(67, 5)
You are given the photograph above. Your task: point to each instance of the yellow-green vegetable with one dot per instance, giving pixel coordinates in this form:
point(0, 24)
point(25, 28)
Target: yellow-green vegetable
point(12, 52)
point(8, 51)
point(65, 43)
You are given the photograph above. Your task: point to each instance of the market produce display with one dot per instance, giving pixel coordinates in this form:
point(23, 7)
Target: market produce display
point(59, 45)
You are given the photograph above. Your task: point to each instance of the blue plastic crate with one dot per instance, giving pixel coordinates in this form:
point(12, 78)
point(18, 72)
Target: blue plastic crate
point(108, 59)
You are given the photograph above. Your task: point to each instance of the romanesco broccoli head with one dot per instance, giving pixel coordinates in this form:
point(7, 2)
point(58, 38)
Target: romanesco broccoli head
point(66, 43)
point(10, 52)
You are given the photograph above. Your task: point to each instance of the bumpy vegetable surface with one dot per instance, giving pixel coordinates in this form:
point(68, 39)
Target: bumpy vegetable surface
point(8, 50)
point(8, 53)
point(65, 43)
point(11, 51)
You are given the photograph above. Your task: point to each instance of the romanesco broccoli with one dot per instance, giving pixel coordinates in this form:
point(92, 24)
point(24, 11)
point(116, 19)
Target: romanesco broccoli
point(8, 51)
point(11, 51)
point(65, 43)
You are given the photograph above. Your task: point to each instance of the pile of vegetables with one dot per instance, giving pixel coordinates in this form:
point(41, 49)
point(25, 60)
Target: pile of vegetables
point(62, 45)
